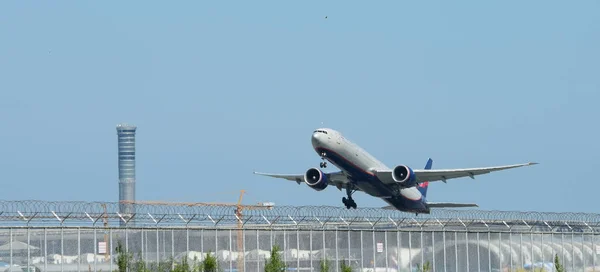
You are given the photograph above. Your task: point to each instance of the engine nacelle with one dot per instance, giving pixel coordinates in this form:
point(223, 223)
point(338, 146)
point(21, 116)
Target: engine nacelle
point(315, 179)
point(405, 176)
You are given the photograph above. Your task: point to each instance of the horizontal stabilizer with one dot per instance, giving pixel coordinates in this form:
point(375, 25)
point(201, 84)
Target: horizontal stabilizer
point(450, 205)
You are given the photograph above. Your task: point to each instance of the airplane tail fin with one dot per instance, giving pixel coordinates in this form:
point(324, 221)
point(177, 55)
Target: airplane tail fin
point(424, 185)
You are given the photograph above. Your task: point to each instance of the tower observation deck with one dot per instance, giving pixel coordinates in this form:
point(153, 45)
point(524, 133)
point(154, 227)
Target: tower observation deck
point(126, 142)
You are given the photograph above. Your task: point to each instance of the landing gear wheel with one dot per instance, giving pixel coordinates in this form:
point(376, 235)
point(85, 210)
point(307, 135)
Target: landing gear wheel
point(349, 203)
point(323, 164)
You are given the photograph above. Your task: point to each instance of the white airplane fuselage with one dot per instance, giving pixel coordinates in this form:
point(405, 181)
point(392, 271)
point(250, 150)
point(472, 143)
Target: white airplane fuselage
point(359, 166)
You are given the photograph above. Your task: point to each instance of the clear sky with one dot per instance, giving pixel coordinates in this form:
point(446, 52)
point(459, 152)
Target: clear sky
point(221, 89)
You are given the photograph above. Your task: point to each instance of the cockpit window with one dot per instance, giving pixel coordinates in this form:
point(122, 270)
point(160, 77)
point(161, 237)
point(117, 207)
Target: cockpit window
point(321, 131)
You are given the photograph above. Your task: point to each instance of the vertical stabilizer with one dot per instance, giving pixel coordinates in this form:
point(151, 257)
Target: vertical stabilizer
point(424, 185)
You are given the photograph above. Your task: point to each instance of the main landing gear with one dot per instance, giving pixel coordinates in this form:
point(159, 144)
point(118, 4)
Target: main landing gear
point(349, 202)
point(323, 164)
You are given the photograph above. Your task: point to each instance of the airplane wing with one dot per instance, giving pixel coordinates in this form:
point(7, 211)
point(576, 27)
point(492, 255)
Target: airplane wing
point(445, 174)
point(337, 179)
point(450, 205)
point(423, 175)
point(440, 205)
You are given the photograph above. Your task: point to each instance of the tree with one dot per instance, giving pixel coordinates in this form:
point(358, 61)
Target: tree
point(123, 258)
point(325, 264)
point(209, 264)
point(557, 265)
point(275, 263)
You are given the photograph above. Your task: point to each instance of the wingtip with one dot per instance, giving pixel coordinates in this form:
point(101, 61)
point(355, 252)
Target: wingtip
point(533, 163)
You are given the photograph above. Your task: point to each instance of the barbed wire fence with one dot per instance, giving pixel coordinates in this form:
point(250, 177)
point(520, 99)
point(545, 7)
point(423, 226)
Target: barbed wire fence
point(81, 213)
point(79, 236)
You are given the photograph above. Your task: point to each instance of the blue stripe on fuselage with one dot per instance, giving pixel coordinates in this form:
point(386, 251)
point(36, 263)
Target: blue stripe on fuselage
point(370, 184)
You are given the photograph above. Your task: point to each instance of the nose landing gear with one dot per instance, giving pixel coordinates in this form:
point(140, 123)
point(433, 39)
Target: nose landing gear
point(323, 164)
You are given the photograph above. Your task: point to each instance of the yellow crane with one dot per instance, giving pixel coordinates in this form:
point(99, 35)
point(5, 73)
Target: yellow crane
point(238, 213)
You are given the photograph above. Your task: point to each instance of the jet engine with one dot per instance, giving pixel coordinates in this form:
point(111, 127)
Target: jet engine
point(315, 179)
point(405, 176)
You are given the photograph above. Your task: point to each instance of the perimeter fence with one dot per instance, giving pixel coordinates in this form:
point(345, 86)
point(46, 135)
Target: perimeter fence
point(82, 236)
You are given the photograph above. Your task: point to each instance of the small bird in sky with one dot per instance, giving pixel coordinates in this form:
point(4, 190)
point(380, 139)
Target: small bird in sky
point(325, 17)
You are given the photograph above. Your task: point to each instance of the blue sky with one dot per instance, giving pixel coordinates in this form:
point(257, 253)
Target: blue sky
point(219, 90)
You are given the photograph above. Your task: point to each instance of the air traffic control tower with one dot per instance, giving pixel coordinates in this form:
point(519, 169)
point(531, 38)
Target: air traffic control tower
point(126, 140)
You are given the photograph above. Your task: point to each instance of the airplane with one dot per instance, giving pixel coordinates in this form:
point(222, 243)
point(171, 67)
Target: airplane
point(402, 187)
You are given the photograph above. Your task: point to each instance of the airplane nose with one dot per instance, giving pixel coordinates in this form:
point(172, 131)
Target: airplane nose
point(315, 139)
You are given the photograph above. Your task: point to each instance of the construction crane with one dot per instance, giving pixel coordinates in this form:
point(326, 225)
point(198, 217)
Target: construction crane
point(240, 233)
point(238, 213)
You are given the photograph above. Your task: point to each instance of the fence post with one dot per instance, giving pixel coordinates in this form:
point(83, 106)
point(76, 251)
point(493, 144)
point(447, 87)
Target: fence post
point(562, 247)
point(157, 247)
point(231, 252)
point(521, 246)
point(433, 250)
point(310, 245)
point(285, 248)
point(583, 249)
point(478, 253)
point(444, 244)
point(467, 247)
point(398, 247)
point(500, 250)
point(510, 243)
point(10, 240)
point(243, 249)
point(410, 257)
point(216, 243)
point(362, 257)
point(62, 249)
point(349, 245)
point(258, 250)
point(387, 266)
point(337, 256)
point(594, 248)
point(46, 250)
point(422, 249)
point(572, 252)
point(456, 250)
point(298, 247)
point(187, 241)
point(542, 246)
point(324, 253)
point(78, 249)
point(489, 234)
point(110, 248)
point(374, 247)
point(28, 250)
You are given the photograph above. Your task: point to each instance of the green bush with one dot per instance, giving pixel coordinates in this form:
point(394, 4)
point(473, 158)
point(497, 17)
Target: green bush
point(183, 266)
point(325, 264)
point(345, 267)
point(140, 265)
point(275, 263)
point(209, 264)
point(123, 258)
point(426, 267)
point(557, 265)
